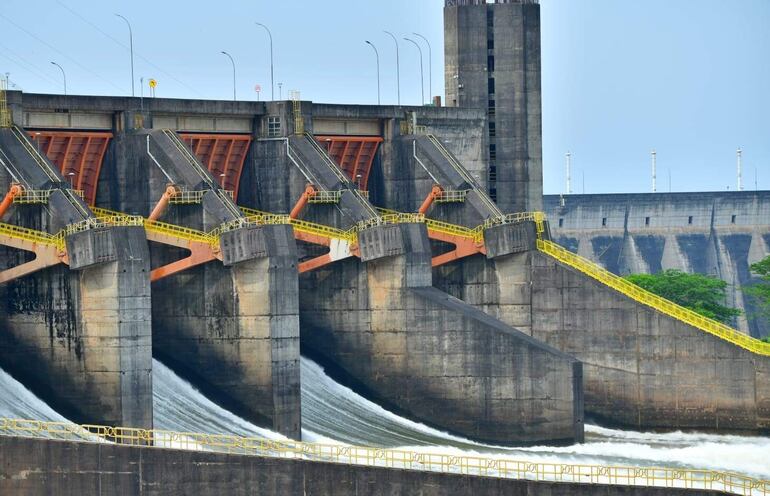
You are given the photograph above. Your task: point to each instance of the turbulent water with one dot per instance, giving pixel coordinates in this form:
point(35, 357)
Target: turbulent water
point(333, 413)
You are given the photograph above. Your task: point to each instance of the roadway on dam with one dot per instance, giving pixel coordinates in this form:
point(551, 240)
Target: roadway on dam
point(334, 413)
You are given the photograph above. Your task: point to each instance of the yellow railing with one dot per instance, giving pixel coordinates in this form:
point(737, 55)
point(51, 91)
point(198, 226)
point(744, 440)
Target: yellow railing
point(452, 196)
point(325, 197)
point(33, 236)
point(304, 226)
point(652, 300)
point(393, 458)
point(112, 217)
point(5, 115)
point(184, 197)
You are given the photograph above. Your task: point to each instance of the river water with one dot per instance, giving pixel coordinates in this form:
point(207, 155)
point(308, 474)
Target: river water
point(334, 413)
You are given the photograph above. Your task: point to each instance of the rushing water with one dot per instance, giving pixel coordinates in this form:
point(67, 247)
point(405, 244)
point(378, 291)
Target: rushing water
point(334, 413)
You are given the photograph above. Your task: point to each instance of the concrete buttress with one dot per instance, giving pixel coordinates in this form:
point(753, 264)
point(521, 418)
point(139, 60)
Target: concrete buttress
point(230, 327)
point(77, 336)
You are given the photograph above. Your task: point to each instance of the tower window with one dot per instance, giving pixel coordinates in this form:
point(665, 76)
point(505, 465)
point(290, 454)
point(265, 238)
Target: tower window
point(273, 127)
point(490, 63)
point(604, 221)
point(491, 85)
point(689, 219)
point(646, 221)
point(492, 130)
point(493, 152)
point(490, 18)
point(491, 107)
point(561, 222)
point(490, 44)
point(732, 219)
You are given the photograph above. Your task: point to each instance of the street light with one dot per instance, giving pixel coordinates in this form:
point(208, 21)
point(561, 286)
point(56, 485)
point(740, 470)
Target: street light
point(398, 73)
point(272, 80)
point(232, 62)
point(280, 94)
point(430, 65)
point(377, 55)
point(63, 76)
point(422, 81)
point(131, 43)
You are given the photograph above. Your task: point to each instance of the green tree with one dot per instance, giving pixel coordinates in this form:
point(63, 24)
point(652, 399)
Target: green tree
point(699, 293)
point(760, 291)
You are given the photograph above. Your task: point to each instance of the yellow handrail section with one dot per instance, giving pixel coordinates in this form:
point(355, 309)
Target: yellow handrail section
point(304, 226)
point(5, 115)
point(652, 300)
point(153, 226)
point(392, 458)
point(33, 236)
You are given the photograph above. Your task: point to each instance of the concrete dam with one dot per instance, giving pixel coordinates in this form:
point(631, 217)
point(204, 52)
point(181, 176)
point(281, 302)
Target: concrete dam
point(287, 293)
point(719, 234)
point(491, 332)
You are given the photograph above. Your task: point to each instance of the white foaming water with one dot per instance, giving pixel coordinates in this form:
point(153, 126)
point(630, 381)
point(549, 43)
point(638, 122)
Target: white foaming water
point(332, 413)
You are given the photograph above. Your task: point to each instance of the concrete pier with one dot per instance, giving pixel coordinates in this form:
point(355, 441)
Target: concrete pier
point(78, 335)
point(230, 327)
point(379, 325)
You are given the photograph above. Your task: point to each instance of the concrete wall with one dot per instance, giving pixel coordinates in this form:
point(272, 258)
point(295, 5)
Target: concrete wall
point(232, 327)
point(643, 368)
point(32, 467)
point(77, 336)
point(719, 234)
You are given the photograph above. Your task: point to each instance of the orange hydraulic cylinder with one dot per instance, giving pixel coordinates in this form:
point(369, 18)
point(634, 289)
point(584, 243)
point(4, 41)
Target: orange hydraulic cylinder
point(171, 191)
point(13, 192)
point(435, 192)
point(309, 191)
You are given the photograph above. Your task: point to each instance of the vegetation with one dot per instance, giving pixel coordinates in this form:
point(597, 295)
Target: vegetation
point(699, 293)
point(760, 291)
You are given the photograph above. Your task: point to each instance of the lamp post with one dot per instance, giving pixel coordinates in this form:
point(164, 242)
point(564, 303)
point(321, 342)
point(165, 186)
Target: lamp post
point(377, 56)
point(430, 65)
point(272, 80)
point(422, 81)
point(63, 75)
point(131, 45)
point(232, 62)
point(398, 73)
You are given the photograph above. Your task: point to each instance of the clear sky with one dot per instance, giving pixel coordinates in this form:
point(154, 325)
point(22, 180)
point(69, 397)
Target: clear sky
point(689, 78)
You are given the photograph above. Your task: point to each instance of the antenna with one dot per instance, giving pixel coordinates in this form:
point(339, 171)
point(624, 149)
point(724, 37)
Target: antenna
point(739, 153)
point(569, 172)
point(654, 156)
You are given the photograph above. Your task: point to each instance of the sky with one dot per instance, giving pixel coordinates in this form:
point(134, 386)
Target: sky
point(688, 78)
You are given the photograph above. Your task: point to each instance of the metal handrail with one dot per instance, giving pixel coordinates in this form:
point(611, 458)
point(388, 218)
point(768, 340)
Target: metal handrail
point(5, 114)
point(305, 226)
point(184, 197)
point(502, 468)
point(452, 196)
point(325, 197)
point(33, 235)
point(112, 217)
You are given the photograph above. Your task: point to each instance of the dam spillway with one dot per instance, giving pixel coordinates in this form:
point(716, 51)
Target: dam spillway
point(470, 288)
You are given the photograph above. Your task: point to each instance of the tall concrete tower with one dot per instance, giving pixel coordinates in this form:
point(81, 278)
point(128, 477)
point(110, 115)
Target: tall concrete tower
point(492, 61)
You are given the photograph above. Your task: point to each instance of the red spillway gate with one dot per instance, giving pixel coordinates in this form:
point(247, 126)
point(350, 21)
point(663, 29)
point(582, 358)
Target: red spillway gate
point(77, 154)
point(354, 155)
point(222, 154)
